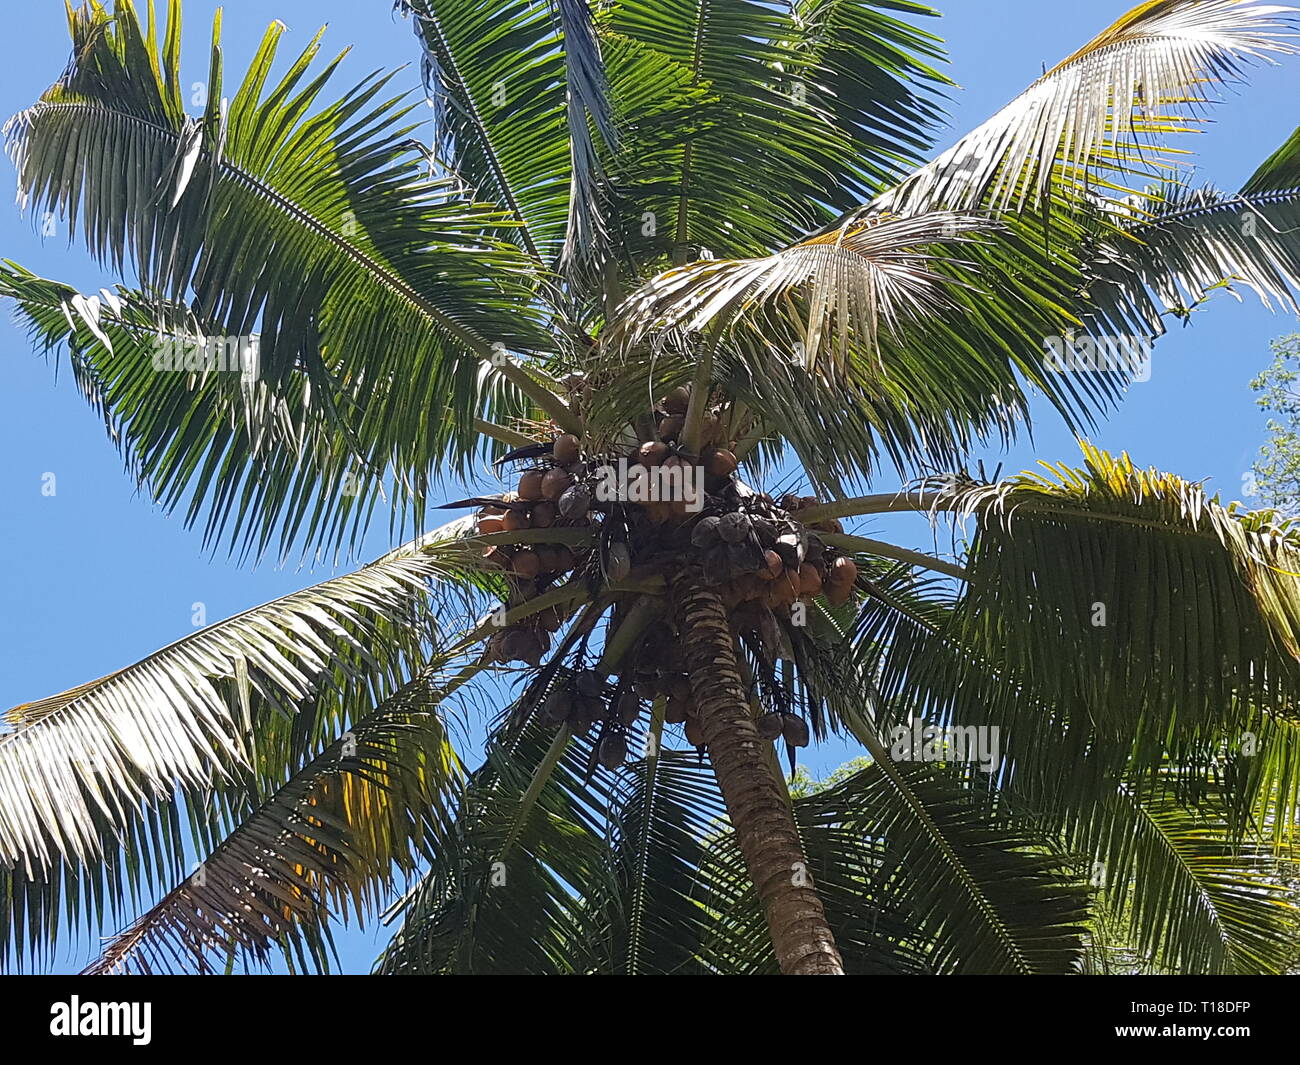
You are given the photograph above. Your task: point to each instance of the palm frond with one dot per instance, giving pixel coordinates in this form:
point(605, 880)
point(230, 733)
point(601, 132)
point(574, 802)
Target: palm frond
point(1195, 899)
point(103, 769)
point(666, 812)
point(302, 223)
point(1196, 241)
point(871, 71)
point(870, 276)
point(525, 883)
point(497, 76)
point(323, 847)
point(921, 389)
point(918, 875)
point(1103, 110)
point(780, 144)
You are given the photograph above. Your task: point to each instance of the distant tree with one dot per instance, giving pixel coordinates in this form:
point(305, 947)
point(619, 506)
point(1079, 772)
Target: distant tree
point(803, 783)
point(1276, 476)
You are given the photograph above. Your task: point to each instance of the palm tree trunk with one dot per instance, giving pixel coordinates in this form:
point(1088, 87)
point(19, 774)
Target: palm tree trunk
point(759, 811)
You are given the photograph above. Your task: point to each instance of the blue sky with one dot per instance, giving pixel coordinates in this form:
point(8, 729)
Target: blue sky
point(96, 577)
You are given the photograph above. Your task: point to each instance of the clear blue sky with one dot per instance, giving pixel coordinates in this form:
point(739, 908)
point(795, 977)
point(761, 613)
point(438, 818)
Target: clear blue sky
point(96, 577)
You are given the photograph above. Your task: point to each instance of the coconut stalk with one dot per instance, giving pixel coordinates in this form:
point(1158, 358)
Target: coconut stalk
point(759, 811)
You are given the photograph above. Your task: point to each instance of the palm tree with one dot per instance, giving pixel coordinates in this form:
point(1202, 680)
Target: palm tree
point(696, 240)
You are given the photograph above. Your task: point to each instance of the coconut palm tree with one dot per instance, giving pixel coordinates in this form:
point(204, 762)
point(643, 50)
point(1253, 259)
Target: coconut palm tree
point(662, 262)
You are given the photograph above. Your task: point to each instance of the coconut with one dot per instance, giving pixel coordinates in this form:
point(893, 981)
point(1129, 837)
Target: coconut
point(716, 564)
point(795, 730)
point(558, 707)
point(563, 558)
point(575, 502)
point(487, 525)
point(526, 563)
point(790, 502)
point(789, 547)
point(618, 562)
point(744, 557)
point(550, 619)
point(590, 709)
point(522, 645)
point(764, 528)
point(496, 558)
point(652, 453)
point(719, 462)
point(543, 514)
point(671, 427)
point(810, 581)
point(675, 710)
point(566, 450)
point(733, 527)
point(769, 726)
point(515, 520)
point(530, 485)
point(705, 531)
point(677, 400)
point(783, 591)
point(694, 733)
point(748, 587)
point(588, 682)
point(830, 525)
point(628, 707)
point(838, 594)
point(843, 571)
point(657, 512)
point(554, 483)
point(772, 566)
point(612, 751)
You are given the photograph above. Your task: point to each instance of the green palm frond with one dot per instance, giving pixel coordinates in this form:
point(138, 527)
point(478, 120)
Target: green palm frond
point(244, 458)
point(859, 59)
point(497, 77)
point(1196, 241)
point(666, 813)
point(782, 143)
point(1145, 589)
point(370, 281)
point(525, 883)
point(918, 875)
point(98, 771)
point(1114, 619)
point(1103, 111)
point(1195, 900)
point(1181, 824)
point(325, 846)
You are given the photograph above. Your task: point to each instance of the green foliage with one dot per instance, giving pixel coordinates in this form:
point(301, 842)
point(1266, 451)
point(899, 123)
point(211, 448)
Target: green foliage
point(1276, 473)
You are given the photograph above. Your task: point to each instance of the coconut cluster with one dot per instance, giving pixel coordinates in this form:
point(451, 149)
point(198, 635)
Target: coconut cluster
point(752, 548)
